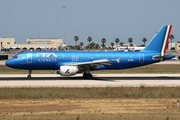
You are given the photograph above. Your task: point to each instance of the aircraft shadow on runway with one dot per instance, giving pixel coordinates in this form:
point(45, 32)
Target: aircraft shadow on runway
point(111, 79)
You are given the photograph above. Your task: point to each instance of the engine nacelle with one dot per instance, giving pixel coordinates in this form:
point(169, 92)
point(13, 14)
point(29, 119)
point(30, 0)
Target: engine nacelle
point(67, 70)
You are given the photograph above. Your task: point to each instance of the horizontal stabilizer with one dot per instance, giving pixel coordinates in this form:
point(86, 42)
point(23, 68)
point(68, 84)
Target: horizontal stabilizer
point(157, 57)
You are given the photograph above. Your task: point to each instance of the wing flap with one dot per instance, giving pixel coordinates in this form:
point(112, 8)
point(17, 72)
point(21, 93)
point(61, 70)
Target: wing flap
point(94, 63)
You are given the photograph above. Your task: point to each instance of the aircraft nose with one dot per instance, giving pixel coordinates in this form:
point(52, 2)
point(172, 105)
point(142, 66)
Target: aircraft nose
point(9, 63)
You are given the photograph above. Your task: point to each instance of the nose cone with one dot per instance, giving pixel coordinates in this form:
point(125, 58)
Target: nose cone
point(9, 63)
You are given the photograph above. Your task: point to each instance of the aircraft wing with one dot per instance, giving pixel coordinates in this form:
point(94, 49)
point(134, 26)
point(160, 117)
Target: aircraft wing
point(94, 63)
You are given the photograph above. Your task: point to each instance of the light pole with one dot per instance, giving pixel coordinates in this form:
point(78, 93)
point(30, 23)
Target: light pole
point(64, 24)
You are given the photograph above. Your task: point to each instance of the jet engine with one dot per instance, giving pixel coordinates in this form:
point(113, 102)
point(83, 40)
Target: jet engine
point(67, 70)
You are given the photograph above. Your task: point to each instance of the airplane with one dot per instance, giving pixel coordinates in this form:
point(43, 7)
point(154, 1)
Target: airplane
point(68, 63)
point(129, 48)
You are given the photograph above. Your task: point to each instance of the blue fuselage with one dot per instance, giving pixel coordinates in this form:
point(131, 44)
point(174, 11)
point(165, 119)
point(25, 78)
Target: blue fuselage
point(52, 60)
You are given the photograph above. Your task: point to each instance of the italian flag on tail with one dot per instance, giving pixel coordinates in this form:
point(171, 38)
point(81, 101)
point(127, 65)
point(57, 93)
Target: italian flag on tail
point(165, 41)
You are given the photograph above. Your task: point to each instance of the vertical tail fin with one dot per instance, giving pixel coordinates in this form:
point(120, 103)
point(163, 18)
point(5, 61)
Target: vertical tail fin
point(160, 41)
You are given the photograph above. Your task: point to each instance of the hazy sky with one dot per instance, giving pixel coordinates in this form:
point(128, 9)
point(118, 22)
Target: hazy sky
point(110, 19)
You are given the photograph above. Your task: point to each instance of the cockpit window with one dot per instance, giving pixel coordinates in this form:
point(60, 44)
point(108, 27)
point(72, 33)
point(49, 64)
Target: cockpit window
point(17, 57)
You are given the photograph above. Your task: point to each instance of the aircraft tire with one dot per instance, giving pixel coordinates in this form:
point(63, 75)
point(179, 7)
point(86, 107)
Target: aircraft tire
point(29, 76)
point(90, 76)
point(87, 76)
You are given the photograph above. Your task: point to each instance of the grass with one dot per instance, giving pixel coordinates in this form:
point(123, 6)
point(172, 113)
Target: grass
point(155, 68)
point(90, 103)
point(108, 92)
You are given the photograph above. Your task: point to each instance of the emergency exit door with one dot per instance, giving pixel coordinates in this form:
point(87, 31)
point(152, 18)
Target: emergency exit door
point(141, 58)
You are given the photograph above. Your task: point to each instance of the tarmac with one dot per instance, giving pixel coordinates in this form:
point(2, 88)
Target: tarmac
point(99, 80)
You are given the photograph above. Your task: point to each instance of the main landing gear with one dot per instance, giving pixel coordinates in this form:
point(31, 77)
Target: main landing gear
point(29, 76)
point(87, 74)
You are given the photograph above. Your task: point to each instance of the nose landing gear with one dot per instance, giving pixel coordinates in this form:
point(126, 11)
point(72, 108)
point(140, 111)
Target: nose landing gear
point(29, 76)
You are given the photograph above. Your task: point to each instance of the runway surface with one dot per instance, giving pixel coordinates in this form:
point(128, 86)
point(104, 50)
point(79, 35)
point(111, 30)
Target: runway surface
point(99, 80)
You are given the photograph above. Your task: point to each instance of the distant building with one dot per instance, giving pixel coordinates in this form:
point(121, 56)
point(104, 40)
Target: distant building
point(173, 46)
point(44, 44)
point(5, 42)
point(124, 45)
point(177, 47)
point(8, 44)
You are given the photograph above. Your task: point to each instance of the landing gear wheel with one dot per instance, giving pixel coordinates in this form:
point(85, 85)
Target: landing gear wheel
point(87, 76)
point(84, 75)
point(29, 76)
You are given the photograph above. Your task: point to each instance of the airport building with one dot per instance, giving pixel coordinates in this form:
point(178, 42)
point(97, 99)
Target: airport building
point(173, 45)
point(177, 47)
point(9, 45)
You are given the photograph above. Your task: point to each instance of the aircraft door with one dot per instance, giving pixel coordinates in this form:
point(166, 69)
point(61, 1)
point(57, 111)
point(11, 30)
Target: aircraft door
point(29, 57)
point(141, 58)
point(73, 58)
point(77, 58)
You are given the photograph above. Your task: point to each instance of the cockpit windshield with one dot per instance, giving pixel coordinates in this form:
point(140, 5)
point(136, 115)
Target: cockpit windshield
point(17, 57)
